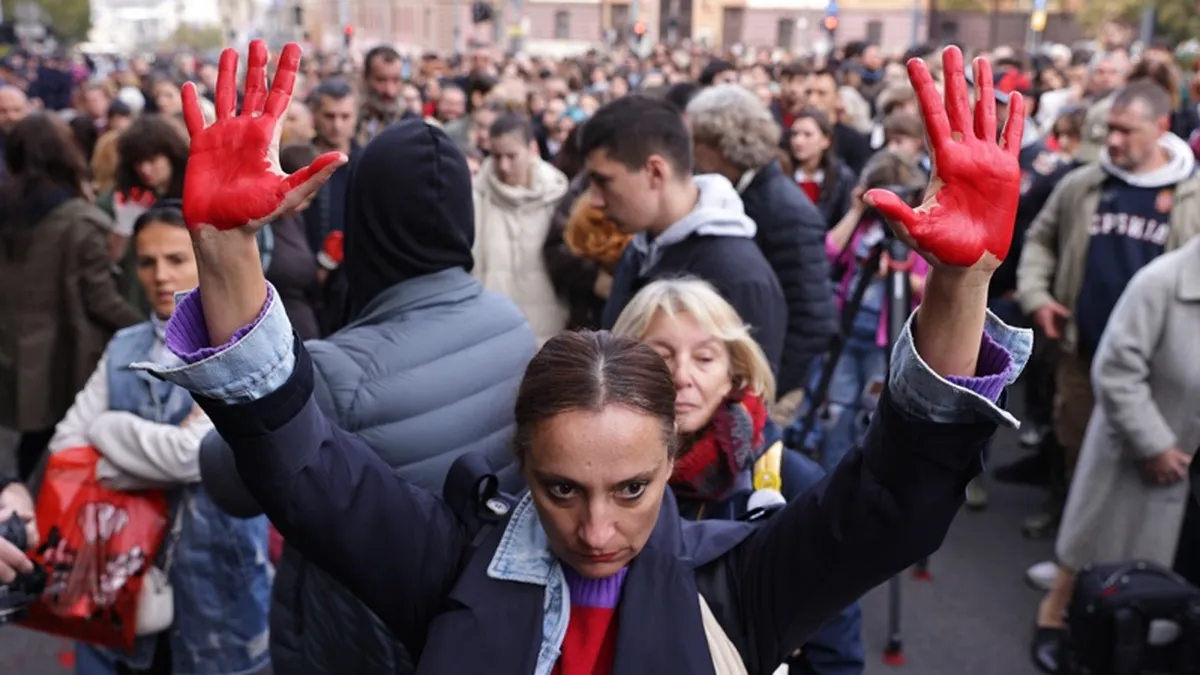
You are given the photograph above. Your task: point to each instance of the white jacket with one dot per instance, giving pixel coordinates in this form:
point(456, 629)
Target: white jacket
point(137, 453)
point(511, 223)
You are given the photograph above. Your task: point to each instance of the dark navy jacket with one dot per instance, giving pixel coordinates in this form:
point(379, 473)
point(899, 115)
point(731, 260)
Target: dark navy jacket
point(770, 584)
point(836, 648)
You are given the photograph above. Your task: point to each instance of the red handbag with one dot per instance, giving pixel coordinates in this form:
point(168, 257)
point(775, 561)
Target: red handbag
point(97, 544)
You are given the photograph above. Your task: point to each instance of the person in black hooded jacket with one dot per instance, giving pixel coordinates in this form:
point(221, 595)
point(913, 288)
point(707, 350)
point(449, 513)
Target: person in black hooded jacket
point(734, 135)
point(404, 374)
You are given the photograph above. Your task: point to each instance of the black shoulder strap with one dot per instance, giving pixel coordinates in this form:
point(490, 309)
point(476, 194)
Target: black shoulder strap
point(472, 490)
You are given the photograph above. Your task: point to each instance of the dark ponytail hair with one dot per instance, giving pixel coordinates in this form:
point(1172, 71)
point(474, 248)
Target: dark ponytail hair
point(591, 370)
point(166, 211)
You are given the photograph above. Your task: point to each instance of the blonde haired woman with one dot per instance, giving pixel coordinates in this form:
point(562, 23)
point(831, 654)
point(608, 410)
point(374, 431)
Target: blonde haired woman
point(723, 383)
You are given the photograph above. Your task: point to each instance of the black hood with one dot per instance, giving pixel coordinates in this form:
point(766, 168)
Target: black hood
point(408, 210)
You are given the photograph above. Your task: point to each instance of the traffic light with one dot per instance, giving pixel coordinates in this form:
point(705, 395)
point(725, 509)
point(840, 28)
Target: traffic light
point(830, 22)
point(348, 34)
point(298, 13)
point(639, 30)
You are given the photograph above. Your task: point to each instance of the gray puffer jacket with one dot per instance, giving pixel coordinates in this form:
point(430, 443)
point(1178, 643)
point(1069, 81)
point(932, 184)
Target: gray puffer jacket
point(428, 372)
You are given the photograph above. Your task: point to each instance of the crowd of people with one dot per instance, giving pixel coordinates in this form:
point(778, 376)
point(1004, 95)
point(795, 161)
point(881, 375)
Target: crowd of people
point(612, 283)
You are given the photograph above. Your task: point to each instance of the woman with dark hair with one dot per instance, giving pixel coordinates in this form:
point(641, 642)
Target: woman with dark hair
point(153, 155)
point(85, 133)
point(151, 160)
point(568, 159)
point(816, 167)
point(59, 302)
point(148, 436)
point(592, 570)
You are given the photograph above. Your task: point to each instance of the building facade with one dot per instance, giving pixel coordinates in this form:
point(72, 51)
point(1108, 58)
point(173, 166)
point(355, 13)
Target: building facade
point(563, 27)
point(129, 25)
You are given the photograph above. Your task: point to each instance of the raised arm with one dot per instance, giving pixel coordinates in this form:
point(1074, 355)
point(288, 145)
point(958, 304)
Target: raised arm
point(393, 545)
point(891, 502)
point(234, 185)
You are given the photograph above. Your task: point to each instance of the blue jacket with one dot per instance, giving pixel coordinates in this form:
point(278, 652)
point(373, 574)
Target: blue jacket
point(219, 573)
point(409, 557)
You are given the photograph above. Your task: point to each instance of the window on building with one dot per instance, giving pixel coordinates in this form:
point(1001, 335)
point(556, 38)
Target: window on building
point(875, 32)
point(562, 25)
point(784, 31)
point(948, 32)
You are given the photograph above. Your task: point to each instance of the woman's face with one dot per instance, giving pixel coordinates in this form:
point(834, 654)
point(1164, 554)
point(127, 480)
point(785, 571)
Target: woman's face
point(1068, 141)
point(597, 479)
point(119, 123)
point(155, 173)
point(700, 364)
point(807, 140)
point(165, 264)
point(412, 99)
point(553, 111)
point(298, 123)
point(618, 87)
point(563, 129)
point(1052, 80)
point(907, 146)
point(589, 105)
point(168, 98)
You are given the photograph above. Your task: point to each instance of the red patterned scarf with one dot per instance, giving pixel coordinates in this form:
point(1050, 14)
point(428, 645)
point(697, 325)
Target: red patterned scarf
point(730, 445)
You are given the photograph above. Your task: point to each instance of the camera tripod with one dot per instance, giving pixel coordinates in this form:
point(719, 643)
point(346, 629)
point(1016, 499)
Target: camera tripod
point(899, 302)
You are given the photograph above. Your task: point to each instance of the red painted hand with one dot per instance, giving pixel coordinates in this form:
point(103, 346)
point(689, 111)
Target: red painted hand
point(966, 220)
point(233, 176)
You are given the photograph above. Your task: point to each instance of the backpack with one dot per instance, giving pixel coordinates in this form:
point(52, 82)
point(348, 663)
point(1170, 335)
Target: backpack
point(1133, 618)
point(481, 494)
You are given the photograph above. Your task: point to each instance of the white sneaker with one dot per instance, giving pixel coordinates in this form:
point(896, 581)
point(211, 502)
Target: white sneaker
point(1041, 576)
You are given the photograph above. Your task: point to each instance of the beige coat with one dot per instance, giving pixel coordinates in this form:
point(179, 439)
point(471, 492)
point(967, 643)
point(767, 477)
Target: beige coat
point(511, 223)
point(1146, 376)
point(1055, 253)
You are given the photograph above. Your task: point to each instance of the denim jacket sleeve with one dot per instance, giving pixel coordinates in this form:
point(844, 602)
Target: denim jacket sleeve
point(256, 361)
point(922, 393)
point(259, 359)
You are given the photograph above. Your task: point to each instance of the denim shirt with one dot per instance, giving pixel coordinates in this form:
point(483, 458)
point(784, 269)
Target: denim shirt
point(219, 571)
point(259, 359)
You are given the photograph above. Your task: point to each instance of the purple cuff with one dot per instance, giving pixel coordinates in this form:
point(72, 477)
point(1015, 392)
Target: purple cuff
point(991, 373)
point(187, 332)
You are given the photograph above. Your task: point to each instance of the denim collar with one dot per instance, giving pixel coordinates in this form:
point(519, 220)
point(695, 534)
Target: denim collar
point(524, 551)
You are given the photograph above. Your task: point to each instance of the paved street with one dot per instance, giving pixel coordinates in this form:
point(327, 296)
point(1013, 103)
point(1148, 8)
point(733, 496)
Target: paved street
point(974, 617)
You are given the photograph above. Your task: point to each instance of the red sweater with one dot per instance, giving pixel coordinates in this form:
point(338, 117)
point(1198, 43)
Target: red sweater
point(591, 640)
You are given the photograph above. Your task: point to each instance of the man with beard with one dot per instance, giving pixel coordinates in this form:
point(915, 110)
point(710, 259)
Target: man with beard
point(383, 78)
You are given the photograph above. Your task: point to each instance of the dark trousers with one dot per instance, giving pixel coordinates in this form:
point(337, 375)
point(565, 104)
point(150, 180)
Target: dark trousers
point(1187, 555)
point(30, 450)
